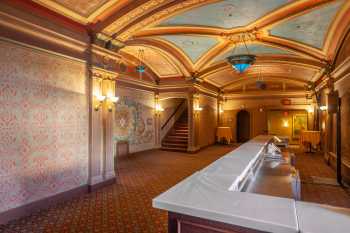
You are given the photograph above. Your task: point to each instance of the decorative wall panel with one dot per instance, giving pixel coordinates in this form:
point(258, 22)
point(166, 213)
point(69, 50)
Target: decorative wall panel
point(43, 125)
point(134, 119)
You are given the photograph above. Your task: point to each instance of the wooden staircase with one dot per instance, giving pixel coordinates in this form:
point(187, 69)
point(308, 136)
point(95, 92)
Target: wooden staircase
point(177, 138)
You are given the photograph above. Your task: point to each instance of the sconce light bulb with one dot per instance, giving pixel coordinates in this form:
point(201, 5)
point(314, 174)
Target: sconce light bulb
point(310, 109)
point(101, 98)
point(159, 108)
point(323, 108)
point(114, 99)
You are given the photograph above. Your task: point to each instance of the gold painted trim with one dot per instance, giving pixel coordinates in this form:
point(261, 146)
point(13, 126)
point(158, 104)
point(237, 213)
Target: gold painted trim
point(35, 48)
point(37, 31)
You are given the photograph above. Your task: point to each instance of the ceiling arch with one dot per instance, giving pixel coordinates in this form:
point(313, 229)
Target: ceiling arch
point(195, 36)
point(157, 60)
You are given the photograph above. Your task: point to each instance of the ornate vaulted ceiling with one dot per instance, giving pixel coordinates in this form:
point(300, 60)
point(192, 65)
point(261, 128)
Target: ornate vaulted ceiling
point(294, 40)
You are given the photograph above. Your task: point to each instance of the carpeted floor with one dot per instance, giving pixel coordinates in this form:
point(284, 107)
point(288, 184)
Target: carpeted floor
point(125, 207)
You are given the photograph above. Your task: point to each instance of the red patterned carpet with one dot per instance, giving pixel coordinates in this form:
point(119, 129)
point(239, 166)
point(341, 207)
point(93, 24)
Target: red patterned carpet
point(125, 207)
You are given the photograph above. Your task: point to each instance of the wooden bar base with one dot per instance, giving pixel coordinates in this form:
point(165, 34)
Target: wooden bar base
point(179, 223)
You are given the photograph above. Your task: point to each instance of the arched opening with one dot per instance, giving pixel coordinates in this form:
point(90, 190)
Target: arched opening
point(243, 126)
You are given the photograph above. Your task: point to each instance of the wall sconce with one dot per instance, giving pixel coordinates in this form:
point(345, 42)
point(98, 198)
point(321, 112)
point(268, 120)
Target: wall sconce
point(221, 108)
point(100, 99)
point(310, 109)
point(111, 101)
point(159, 108)
point(197, 109)
point(285, 124)
point(323, 108)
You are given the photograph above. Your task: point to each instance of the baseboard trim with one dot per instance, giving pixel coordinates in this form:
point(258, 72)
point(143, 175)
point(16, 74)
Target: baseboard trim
point(45, 203)
point(93, 188)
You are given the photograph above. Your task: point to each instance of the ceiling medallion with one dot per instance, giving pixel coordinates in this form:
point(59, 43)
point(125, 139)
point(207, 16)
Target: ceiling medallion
point(241, 62)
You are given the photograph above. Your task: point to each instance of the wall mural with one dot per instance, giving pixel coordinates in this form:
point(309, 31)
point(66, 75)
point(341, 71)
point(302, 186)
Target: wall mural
point(134, 123)
point(43, 125)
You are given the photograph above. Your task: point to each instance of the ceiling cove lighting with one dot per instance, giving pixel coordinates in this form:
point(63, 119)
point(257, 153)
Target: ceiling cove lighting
point(241, 62)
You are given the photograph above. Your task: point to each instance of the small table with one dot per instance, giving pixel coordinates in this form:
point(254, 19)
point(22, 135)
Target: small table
point(313, 138)
point(224, 133)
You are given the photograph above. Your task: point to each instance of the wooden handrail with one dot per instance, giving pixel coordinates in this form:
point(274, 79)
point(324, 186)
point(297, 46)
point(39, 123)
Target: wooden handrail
point(175, 111)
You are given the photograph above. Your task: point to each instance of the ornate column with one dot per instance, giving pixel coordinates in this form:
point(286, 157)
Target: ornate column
point(96, 143)
point(102, 143)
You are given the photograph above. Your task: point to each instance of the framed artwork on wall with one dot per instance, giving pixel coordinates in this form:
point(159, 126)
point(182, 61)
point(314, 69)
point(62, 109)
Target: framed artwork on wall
point(299, 124)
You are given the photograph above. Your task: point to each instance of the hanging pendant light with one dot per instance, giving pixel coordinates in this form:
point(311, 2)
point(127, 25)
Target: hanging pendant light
point(241, 62)
point(141, 68)
point(260, 83)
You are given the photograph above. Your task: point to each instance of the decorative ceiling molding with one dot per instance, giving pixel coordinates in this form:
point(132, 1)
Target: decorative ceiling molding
point(149, 20)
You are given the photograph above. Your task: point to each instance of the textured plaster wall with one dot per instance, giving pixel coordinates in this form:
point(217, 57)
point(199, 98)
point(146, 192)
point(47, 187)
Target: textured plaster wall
point(43, 125)
point(134, 119)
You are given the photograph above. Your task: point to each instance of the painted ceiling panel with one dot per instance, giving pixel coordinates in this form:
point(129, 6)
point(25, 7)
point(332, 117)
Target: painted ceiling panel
point(193, 46)
point(310, 28)
point(82, 7)
point(226, 14)
point(257, 49)
point(154, 59)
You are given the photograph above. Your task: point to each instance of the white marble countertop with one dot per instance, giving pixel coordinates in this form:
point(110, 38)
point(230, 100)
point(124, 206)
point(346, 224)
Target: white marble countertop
point(196, 197)
point(208, 194)
point(315, 218)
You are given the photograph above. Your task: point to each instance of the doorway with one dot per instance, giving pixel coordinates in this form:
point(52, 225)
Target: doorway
point(243, 126)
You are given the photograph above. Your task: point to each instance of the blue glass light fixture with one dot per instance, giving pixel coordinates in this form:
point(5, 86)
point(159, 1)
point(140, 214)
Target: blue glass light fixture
point(241, 62)
point(141, 68)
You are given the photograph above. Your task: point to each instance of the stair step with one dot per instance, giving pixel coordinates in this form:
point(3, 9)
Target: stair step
point(176, 138)
point(174, 145)
point(174, 149)
point(180, 130)
point(179, 134)
point(181, 140)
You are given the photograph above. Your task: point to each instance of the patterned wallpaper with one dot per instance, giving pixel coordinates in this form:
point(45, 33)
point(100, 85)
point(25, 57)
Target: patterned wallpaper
point(134, 119)
point(43, 125)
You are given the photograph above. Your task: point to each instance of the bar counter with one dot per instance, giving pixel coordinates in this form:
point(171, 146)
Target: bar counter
point(213, 200)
